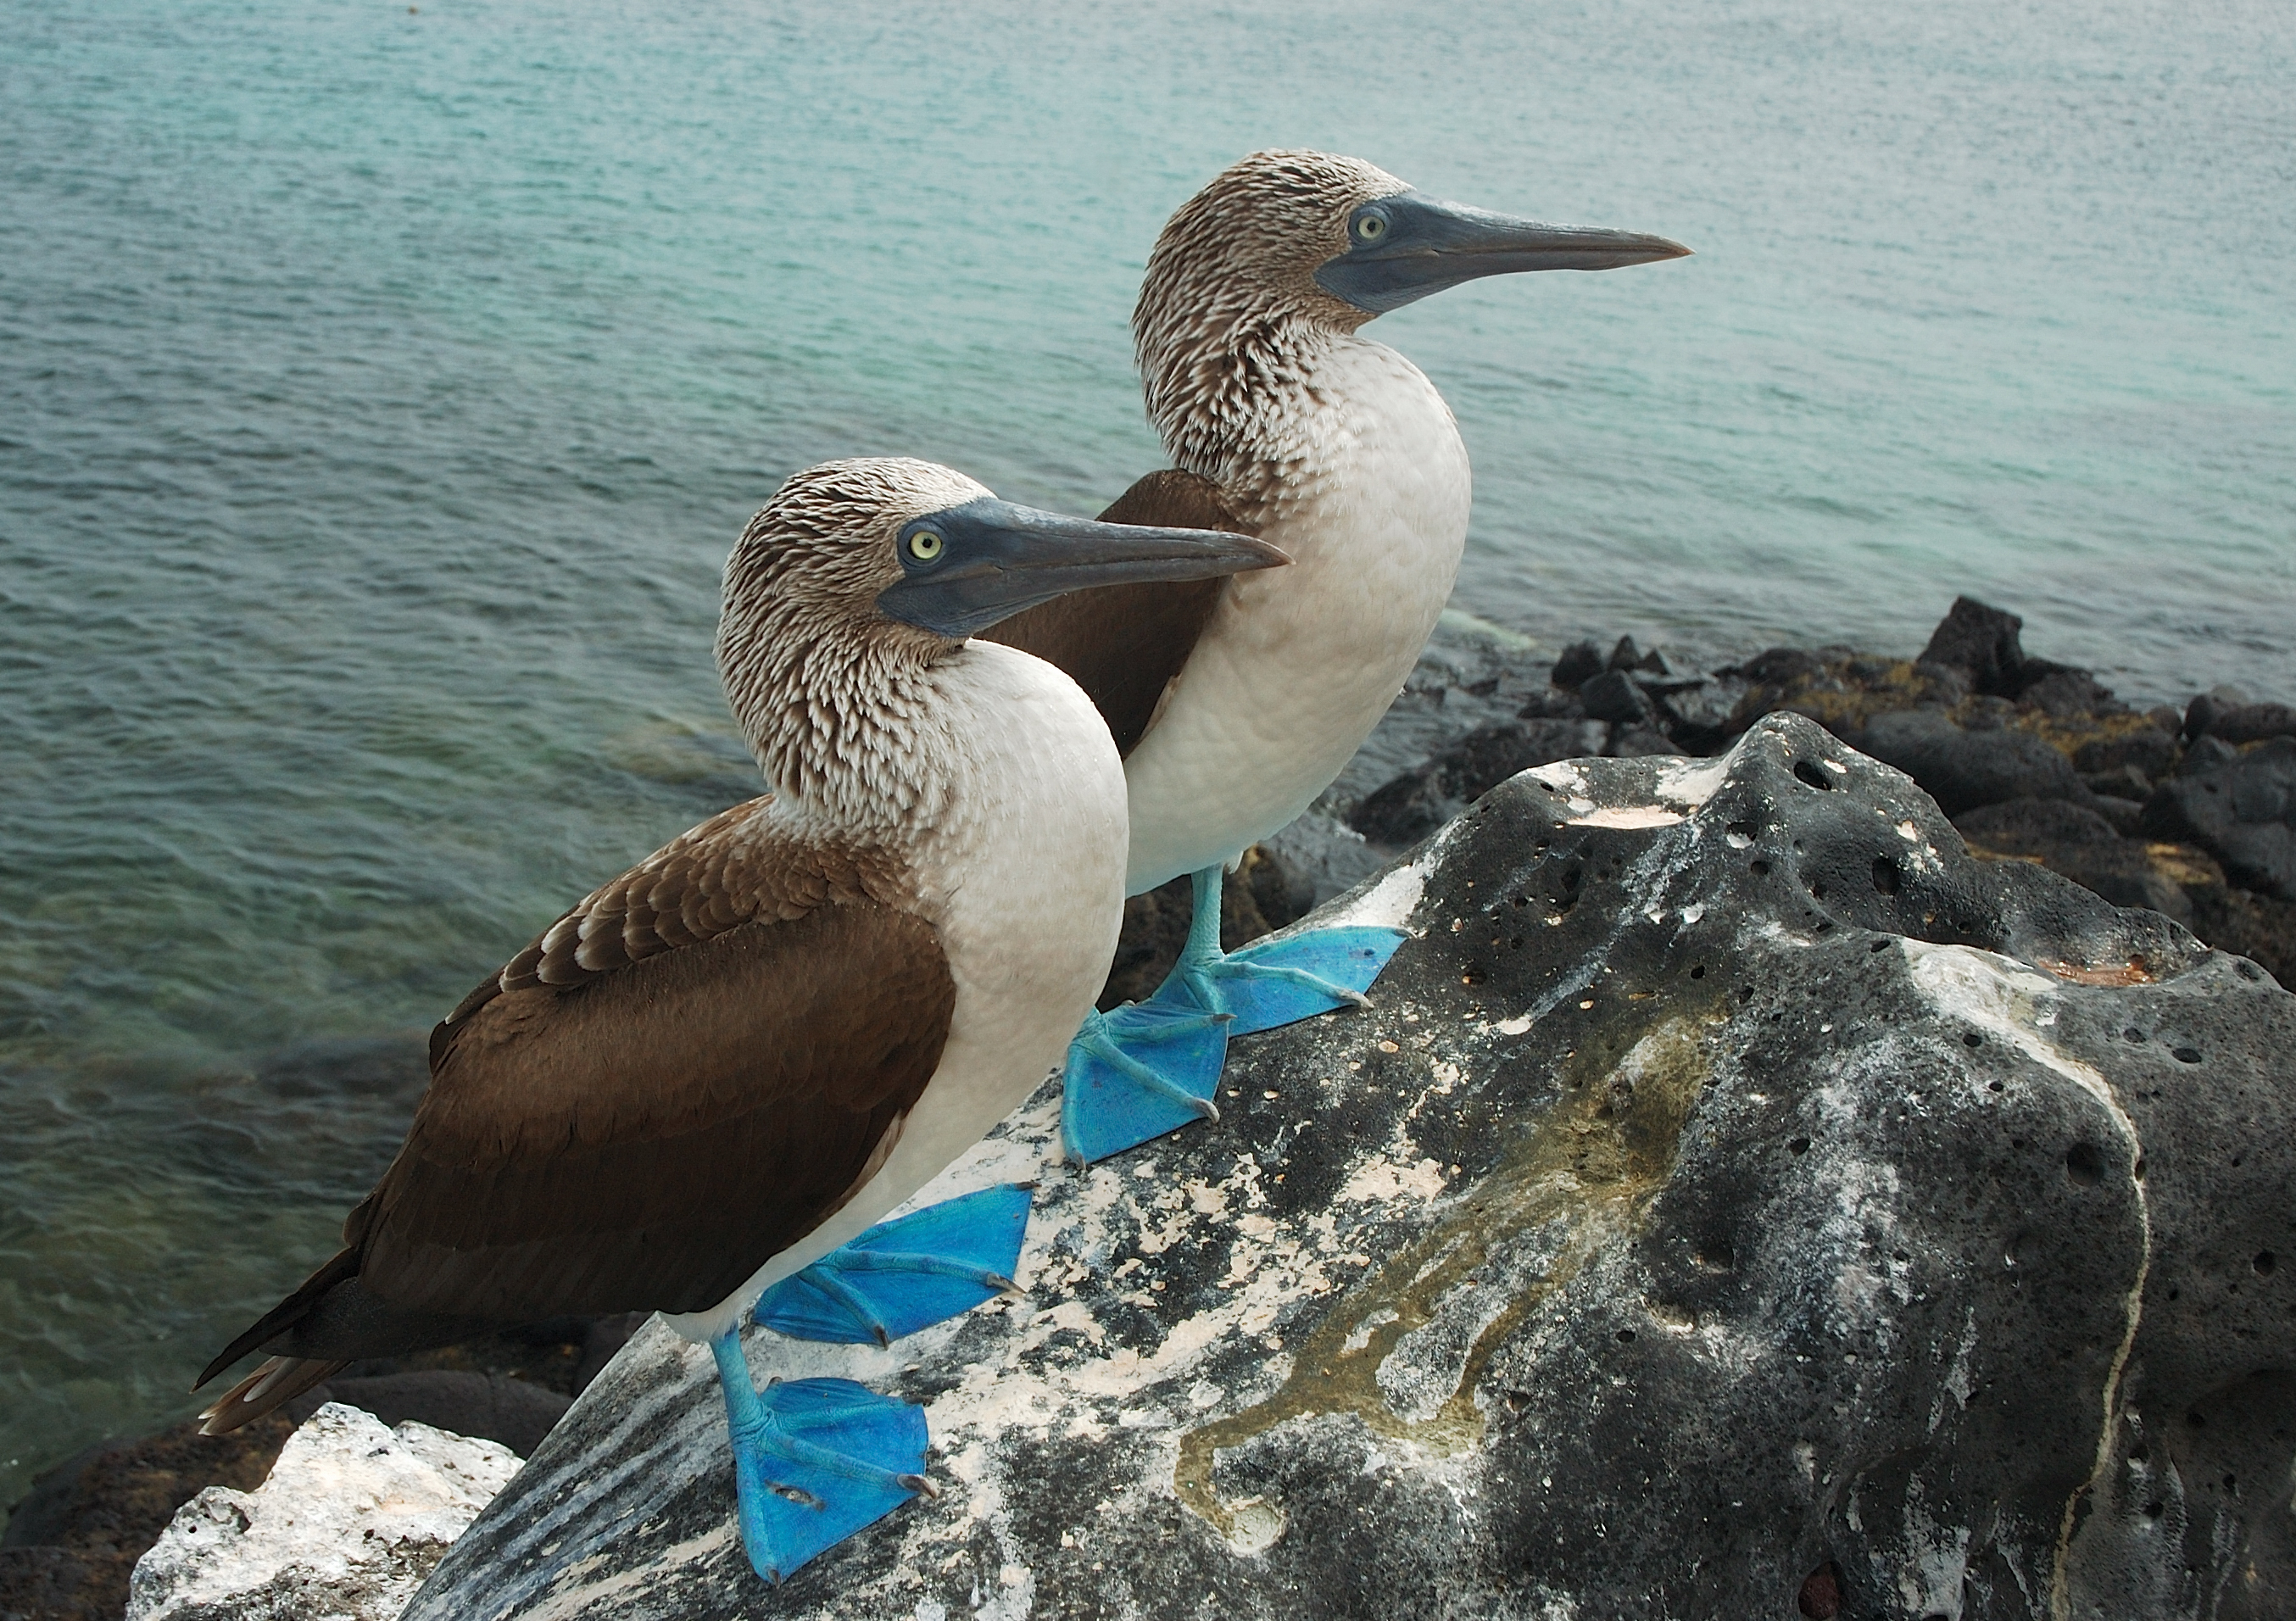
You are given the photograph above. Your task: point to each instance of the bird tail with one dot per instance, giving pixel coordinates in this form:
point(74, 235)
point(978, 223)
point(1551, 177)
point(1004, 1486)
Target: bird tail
point(277, 1380)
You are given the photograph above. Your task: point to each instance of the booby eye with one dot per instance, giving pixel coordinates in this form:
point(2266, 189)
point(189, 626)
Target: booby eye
point(1370, 227)
point(924, 545)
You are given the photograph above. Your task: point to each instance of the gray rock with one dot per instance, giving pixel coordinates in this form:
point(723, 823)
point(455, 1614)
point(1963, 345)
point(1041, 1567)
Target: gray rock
point(2240, 808)
point(1962, 769)
point(1737, 1196)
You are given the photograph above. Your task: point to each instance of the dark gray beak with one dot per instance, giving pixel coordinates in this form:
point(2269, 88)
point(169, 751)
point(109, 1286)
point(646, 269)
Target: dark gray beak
point(1405, 247)
point(967, 568)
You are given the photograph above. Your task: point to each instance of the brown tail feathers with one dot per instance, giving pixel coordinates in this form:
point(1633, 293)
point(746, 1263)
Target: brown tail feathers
point(278, 1380)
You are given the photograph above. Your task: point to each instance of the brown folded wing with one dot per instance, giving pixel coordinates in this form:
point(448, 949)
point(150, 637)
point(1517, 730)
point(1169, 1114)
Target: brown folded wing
point(683, 1076)
point(1123, 644)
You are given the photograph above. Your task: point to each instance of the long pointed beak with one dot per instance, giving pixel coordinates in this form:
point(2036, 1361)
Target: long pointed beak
point(1424, 245)
point(988, 560)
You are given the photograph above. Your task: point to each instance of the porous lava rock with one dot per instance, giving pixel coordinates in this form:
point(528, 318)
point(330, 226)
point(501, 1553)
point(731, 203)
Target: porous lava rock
point(1739, 1199)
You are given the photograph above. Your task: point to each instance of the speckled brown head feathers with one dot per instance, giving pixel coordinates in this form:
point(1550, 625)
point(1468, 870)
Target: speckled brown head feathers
point(1229, 307)
point(823, 682)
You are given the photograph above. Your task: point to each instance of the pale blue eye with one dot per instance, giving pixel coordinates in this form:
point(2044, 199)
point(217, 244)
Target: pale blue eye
point(924, 545)
point(1370, 228)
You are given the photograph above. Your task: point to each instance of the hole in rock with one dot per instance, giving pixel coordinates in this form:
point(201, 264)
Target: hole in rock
point(2195, 1420)
point(2139, 1453)
point(1699, 972)
point(2186, 1055)
point(2135, 1036)
point(1800, 1145)
point(1821, 1594)
point(1626, 1337)
point(2084, 1164)
point(2155, 1509)
point(2137, 1170)
point(1817, 890)
point(1717, 1257)
point(1994, 1087)
point(1879, 946)
point(1760, 869)
point(1887, 878)
point(2231, 1484)
point(1740, 834)
point(1973, 1039)
point(1812, 776)
point(2263, 1263)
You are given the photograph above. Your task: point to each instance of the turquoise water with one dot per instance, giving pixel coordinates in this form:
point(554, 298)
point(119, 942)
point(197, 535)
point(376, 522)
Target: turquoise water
point(379, 392)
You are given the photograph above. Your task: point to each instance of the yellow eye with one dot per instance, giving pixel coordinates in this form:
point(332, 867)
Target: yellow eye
point(1370, 228)
point(924, 545)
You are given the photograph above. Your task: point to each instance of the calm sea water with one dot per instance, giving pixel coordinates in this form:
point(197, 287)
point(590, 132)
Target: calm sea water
point(381, 391)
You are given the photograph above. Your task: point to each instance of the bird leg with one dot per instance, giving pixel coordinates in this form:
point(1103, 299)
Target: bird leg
point(815, 1460)
point(1271, 982)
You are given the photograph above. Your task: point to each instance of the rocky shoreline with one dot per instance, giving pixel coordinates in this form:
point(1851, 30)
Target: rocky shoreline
point(2190, 813)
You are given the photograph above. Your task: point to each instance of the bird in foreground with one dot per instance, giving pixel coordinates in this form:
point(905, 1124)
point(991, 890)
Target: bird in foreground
point(1236, 702)
point(729, 1061)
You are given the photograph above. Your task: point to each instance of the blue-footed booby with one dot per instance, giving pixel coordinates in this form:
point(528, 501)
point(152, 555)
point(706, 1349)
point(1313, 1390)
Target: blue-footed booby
point(723, 1064)
point(1236, 702)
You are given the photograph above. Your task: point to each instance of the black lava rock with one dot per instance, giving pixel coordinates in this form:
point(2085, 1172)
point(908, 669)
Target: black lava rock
point(2151, 751)
point(2246, 723)
point(494, 1407)
point(1738, 1199)
point(2240, 807)
point(1579, 661)
point(1413, 805)
point(2081, 844)
point(1981, 641)
point(1964, 769)
point(1615, 696)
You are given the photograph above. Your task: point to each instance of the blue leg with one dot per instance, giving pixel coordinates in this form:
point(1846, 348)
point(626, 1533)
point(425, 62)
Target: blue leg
point(1136, 1073)
point(815, 1460)
point(904, 1275)
point(1271, 982)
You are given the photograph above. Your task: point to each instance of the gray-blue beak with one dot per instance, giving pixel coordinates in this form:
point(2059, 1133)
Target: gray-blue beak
point(967, 568)
point(1404, 247)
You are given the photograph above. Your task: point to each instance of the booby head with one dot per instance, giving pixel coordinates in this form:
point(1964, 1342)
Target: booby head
point(1339, 241)
point(858, 572)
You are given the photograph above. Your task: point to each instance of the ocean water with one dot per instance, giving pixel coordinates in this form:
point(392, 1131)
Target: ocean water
point(381, 389)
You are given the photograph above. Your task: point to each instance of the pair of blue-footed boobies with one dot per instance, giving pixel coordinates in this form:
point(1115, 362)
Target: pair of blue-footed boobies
point(696, 1091)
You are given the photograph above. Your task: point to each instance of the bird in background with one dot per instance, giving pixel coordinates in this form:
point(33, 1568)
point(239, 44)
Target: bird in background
point(1236, 701)
point(720, 1067)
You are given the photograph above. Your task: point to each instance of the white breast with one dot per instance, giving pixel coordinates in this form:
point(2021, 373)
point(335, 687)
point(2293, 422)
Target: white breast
point(1025, 883)
point(1298, 664)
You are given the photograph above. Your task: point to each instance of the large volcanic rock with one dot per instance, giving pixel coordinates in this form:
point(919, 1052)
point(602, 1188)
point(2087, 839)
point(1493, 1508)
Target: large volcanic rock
point(1739, 1203)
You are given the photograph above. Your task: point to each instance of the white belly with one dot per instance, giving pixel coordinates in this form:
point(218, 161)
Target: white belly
point(1029, 893)
point(1298, 664)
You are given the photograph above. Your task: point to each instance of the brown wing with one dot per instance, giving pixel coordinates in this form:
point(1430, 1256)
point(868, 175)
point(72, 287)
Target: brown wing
point(1124, 643)
point(683, 1076)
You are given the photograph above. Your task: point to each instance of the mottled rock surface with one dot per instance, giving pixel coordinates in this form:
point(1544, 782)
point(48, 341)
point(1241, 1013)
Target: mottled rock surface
point(1741, 1201)
point(352, 1519)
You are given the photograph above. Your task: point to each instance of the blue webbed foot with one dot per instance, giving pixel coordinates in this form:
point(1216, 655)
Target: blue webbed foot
point(904, 1274)
point(1137, 1072)
point(815, 1460)
point(1270, 983)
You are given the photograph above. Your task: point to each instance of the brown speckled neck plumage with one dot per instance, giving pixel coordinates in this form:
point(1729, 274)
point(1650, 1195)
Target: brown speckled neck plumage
point(836, 701)
point(1231, 326)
